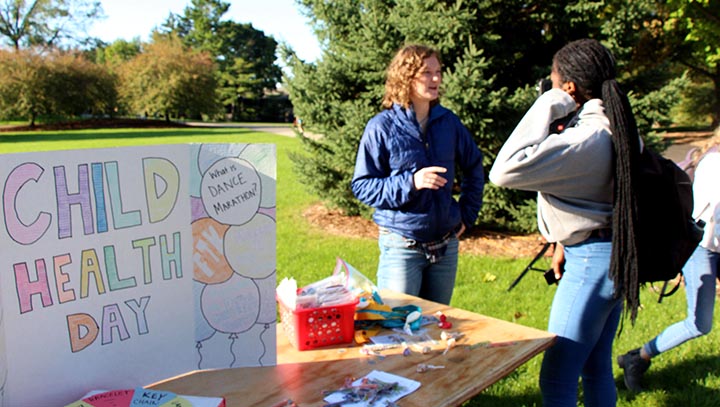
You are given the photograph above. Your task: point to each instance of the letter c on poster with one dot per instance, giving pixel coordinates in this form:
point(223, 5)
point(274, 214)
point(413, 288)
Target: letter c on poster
point(20, 232)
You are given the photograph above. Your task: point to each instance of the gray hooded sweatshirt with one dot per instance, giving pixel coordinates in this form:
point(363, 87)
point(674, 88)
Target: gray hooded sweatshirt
point(571, 171)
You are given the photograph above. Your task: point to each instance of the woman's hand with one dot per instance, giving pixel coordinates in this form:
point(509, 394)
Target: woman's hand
point(558, 261)
point(429, 178)
point(461, 230)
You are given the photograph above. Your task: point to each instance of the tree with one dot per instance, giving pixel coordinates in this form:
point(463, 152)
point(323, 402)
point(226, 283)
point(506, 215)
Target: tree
point(23, 79)
point(243, 41)
point(118, 51)
point(657, 42)
point(691, 38)
point(168, 79)
point(199, 25)
point(77, 86)
point(245, 56)
point(58, 83)
point(45, 22)
point(238, 82)
point(493, 53)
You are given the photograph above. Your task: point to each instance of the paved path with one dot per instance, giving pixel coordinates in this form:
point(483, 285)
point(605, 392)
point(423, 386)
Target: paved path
point(279, 129)
point(677, 152)
point(683, 142)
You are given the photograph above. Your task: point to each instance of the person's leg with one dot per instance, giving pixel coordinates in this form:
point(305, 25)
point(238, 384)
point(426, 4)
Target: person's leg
point(438, 279)
point(583, 312)
point(699, 275)
point(400, 267)
point(597, 377)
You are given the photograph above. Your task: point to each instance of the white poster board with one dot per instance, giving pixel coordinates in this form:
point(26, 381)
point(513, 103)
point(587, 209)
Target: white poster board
point(109, 275)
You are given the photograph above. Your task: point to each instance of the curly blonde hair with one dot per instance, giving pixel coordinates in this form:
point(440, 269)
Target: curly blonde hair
point(712, 142)
point(403, 68)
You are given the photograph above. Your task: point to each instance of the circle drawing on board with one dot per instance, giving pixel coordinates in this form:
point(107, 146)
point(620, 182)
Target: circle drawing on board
point(231, 191)
point(250, 248)
point(232, 306)
point(209, 263)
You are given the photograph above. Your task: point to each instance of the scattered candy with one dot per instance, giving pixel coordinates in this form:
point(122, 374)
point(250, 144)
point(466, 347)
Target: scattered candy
point(367, 391)
point(423, 367)
point(412, 317)
point(450, 345)
point(444, 335)
point(444, 323)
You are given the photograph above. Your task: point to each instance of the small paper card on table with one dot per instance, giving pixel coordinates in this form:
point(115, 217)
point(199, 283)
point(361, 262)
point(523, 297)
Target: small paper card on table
point(404, 387)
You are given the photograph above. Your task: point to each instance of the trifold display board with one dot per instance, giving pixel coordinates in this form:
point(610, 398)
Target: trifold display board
point(124, 266)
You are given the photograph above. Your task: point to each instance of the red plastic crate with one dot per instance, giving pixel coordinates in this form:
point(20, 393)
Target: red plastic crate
point(316, 327)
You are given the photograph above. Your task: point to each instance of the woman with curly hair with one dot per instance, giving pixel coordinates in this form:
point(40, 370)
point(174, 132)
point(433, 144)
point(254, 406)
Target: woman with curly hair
point(699, 273)
point(406, 167)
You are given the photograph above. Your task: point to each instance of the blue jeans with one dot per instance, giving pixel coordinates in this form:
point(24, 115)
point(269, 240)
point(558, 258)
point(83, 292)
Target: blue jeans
point(584, 316)
point(404, 268)
point(699, 274)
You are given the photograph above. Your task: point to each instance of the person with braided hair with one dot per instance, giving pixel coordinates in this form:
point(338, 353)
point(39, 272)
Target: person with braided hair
point(584, 175)
point(699, 273)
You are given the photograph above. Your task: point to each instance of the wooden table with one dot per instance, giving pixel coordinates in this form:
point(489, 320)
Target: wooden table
point(469, 368)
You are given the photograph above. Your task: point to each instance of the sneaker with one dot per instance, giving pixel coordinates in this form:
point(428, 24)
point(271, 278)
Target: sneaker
point(634, 367)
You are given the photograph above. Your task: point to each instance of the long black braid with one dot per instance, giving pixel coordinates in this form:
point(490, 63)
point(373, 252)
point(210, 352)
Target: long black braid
point(591, 67)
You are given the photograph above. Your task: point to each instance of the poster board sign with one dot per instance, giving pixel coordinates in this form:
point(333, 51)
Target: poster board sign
point(111, 274)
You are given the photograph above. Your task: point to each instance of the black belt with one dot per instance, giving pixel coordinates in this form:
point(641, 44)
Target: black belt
point(605, 233)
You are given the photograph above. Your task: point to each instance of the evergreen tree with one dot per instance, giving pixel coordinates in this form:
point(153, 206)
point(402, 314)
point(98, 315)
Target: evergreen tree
point(245, 57)
point(493, 53)
point(691, 34)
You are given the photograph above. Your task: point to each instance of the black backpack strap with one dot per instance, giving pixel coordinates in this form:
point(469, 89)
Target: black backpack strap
point(663, 294)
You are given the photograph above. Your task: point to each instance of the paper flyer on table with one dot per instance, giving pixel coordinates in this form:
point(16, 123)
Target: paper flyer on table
point(405, 387)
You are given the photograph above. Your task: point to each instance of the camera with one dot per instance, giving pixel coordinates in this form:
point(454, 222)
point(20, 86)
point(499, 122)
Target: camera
point(563, 123)
point(543, 86)
point(550, 276)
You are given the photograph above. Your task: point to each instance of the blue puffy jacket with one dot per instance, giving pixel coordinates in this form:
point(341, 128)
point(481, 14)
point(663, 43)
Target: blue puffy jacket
point(393, 148)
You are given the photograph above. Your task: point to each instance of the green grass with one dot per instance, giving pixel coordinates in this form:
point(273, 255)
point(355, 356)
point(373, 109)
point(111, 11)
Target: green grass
point(686, 376)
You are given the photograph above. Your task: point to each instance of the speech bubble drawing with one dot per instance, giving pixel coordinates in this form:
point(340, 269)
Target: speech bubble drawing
point(231, 191)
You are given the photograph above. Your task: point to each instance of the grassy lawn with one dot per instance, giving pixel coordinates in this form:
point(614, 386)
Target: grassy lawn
point(686, 376)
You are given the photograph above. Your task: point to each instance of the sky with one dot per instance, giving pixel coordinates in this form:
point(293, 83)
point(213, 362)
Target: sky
point(281, 19)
